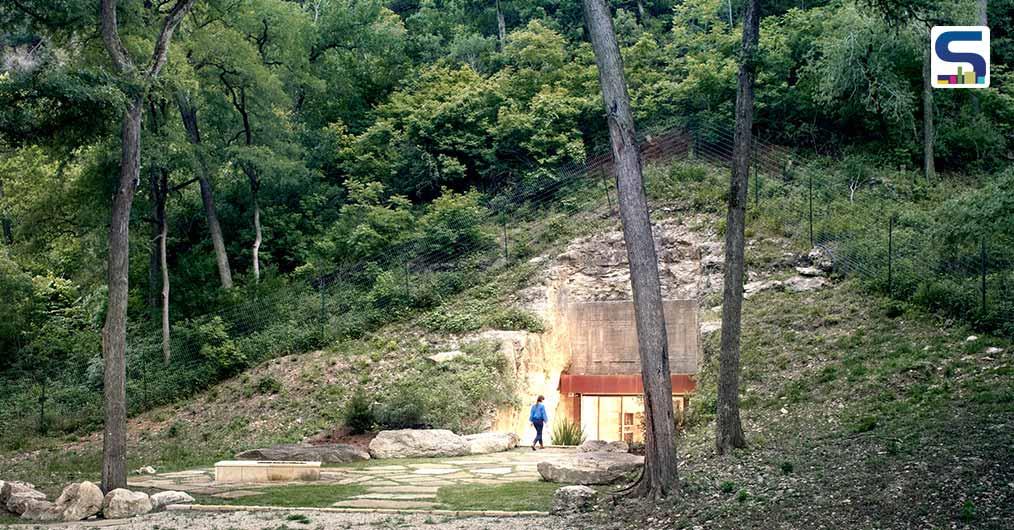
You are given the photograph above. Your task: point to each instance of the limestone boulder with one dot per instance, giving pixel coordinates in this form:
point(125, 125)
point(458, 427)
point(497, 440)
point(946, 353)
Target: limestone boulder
point(418, 443)
point(491, 442)
point(804, 283)
point(327, 453)
point(41, 511)
point(79, 501)
point(573, 499)
point(121, 503)
point(602, 446)
point(590, 468)
point(445, 356)
point(165, 498)
point(14, 496)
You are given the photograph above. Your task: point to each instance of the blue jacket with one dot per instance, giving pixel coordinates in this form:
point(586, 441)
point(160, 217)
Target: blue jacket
point(538, 413)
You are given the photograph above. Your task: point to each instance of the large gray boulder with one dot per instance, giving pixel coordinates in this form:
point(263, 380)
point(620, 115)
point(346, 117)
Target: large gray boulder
point(418, 443)
point(165, 498)
point(573, 499)
point(41, 511)
point(14, 496)
point(590, 468)
point(602, 446)
point(121, 503)
point(491, 442)
point(79, 501)
point(328, 453)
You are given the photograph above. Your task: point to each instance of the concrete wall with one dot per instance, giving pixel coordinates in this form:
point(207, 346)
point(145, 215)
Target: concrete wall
point(603, 337)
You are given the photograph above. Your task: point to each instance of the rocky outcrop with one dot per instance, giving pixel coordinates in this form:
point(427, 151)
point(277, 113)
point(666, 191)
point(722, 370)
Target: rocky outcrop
point(418, 443)
point(573, 499)
point(79, 501)
point(15, 496)
point(165, 498)
point(602, 446)
point(121, 503)
point(491, 442)
point(445, 356)
point(590, 468)
point(328, 453)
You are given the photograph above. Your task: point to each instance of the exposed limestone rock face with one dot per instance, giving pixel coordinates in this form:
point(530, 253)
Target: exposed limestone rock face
point(573, 499)
point(121, 503)
point(328, 453)
point(491, 442)
point(602, 446)
point(445, 356)
point(418, 443)
point(79, 501)
point(590, 468)
point(165, 498)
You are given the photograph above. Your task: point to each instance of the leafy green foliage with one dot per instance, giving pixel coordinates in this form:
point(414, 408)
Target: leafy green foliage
point(567, 432)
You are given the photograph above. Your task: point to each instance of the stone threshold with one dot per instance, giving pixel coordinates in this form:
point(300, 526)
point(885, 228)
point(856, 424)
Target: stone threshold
point(407, 511)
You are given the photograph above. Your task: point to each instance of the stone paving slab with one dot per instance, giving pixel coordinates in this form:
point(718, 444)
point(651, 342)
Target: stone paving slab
point(237, 494)
point(397, 496)
point(388, 504)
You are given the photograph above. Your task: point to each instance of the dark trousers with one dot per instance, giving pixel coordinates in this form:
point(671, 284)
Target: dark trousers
point(538, 432)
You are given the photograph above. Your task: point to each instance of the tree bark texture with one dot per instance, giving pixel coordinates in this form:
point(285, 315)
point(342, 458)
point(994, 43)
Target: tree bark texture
point(5, 222)
point(659, 478)
point(928, 129)
point(729, 427)
point(188, 113)
point(114, 331)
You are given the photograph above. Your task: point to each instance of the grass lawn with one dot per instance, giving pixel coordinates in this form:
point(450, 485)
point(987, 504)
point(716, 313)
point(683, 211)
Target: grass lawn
point(294, 496)
point(6, 519)
point(513, 497)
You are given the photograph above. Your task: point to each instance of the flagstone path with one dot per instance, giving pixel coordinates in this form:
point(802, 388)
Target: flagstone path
point(390, 484)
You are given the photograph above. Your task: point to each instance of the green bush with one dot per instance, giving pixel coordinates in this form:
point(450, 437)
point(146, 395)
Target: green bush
point(359, 416)
point(567, 432)
point(405, 408)
point(444, 321)
point(515, 319)
point(268, 385)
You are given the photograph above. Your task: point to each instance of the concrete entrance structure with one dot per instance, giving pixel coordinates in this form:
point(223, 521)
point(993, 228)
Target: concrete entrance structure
point(249, 471)
point(602, 387)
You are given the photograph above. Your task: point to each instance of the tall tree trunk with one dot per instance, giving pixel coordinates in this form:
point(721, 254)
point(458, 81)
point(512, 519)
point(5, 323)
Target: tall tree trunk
point(114, 332)
point(5, 222)
point(159, 194)
point(255, 186)
point(659, 478)
point(188, 113)
point(501, 25)
point(729, 427)
point(981, 15)
point(154, 256)
point(928, 129)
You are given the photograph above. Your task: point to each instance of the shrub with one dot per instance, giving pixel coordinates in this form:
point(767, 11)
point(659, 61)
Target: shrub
point(567, 432)
point(444, 321)
point(268, 385)
point(515, 319)
point(727, 486)
point(404, 409)
point(359, 414)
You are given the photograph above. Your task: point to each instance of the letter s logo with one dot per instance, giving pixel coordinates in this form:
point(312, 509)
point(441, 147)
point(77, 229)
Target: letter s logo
point(960, 56)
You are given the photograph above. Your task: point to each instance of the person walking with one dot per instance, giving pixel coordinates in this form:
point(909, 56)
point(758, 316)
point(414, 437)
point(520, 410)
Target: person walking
point(538, 418)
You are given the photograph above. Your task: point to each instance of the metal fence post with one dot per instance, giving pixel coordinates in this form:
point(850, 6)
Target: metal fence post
point(983, 267)
point(605, 186)
point(321, 288)
point(506, 255)
point(811, 209)
point(890, 256)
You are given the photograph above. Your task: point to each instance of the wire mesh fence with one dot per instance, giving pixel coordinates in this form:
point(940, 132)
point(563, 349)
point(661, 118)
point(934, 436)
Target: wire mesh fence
point(867, 230)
